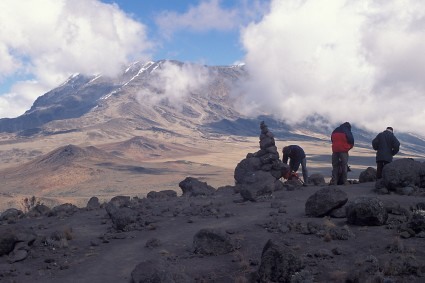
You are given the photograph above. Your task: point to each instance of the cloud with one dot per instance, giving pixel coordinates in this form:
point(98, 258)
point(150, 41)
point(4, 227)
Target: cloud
point(208, 16)
point(359, 61)
point(48, 40)
point(175, 82)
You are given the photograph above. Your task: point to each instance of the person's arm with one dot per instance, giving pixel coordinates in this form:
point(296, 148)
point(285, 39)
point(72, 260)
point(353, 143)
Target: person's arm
point(375, 142)
point(396, 146)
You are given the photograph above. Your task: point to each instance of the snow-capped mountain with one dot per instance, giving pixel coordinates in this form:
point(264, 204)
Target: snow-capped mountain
point(166, 96)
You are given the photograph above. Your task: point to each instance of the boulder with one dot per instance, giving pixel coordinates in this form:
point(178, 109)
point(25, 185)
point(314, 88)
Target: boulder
point(11, 214)
point(122, 217)
point(8, 240)
point(417, 221)
point(93, 203)
point(39, 210)
point(120, 201)
point(368, 175)
point(324, 201)
point(192, 187)
point(278, 263)
point(317, 179)
point(165, 194)
point(402, 173)
point(62, 210)
point(261, 183)
point(151, 271)
point(366, 211)
point(212, 242)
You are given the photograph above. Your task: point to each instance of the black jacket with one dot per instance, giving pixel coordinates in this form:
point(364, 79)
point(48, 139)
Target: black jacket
point(386, 145)
point(294, 152)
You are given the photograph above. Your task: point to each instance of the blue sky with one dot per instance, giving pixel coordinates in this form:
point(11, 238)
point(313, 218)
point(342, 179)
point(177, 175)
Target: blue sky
point(211, 46)
point(360, 61)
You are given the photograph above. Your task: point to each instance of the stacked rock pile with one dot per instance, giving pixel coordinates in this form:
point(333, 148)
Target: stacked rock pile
point(259, 173)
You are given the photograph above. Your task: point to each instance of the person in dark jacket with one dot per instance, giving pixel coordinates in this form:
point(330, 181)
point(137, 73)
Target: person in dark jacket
point(386, 146)
point(297, 157)
point(342, 141)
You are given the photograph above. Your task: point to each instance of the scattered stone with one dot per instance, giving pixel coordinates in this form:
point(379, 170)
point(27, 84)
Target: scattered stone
point(151, 271)
point(368, 175)
point(153, 243)
point(7, 241)
point(278, 263)
point(93, 203)
point(212, 242)
point(324, 201)
point(192, 187)
point(11, 214)
point(404, 172)
point(317, 179)
point(66, 209)
point(165, 194)
point(366, 211)
point(122, 218)
point(39, 210)
point(17, 255)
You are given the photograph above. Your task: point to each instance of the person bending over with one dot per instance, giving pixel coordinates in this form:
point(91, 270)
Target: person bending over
point(297, 157)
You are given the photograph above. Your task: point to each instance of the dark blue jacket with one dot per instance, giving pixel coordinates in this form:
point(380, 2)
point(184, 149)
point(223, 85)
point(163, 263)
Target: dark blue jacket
point(386, 145)
point(295, 152)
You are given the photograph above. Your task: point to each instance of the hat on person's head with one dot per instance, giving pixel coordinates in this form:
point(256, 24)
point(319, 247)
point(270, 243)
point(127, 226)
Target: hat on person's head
point(390, 129)
point(347, 124)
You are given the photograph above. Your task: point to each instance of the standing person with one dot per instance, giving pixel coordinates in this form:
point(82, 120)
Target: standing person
point(342, 141)
point(297, 157)
point(386, 146)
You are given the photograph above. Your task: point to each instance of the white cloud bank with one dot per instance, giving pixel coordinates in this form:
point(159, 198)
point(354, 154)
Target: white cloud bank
point(361, 61)
point(48, 40)
point(176, 82)
point(210, 15)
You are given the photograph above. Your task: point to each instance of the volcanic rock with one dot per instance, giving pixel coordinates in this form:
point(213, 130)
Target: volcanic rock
point(366, 211)
point(324, 201)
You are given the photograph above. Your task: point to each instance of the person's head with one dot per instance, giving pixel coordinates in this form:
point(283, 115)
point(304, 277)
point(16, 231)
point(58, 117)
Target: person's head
point(390, 129)
point(347, 125)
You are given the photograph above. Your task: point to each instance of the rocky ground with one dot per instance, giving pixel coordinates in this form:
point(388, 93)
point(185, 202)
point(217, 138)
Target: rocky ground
point(215, 235)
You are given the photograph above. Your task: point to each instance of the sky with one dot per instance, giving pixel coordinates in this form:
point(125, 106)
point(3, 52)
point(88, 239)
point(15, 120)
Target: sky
point(361, 61)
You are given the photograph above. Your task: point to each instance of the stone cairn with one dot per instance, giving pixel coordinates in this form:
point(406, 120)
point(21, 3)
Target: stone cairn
point(259, 173)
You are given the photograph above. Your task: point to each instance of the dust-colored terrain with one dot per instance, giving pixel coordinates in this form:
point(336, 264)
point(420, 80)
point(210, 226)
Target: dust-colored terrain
point(83, 245)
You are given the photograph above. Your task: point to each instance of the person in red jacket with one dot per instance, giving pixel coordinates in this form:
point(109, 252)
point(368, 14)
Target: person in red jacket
point(342, 141)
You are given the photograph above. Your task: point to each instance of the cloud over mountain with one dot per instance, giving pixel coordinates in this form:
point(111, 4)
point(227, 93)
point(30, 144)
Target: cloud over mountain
point(360, 61)
point(44, 42)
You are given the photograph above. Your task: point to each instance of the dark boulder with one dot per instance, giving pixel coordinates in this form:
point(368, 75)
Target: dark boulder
point(93, 203)
point(123, 218)
point(11, 214)
point(366, 211)
point(317, 179)
point(66, 209)
point(324, 201)
point(417, 221)
point(192, 187)
point(152, 272)
point(165, 194)
point(212, 242)
point(368, 175)
point(402, 173)
point(39, 210)
point(278, 263)
point(8, 240)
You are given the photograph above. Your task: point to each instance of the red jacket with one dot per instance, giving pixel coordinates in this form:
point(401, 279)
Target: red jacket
point(342, 138)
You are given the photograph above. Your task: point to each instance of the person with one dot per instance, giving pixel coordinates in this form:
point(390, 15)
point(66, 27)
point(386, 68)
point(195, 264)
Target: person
point(386, 146)
point(342, 141)
point(297, 157)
